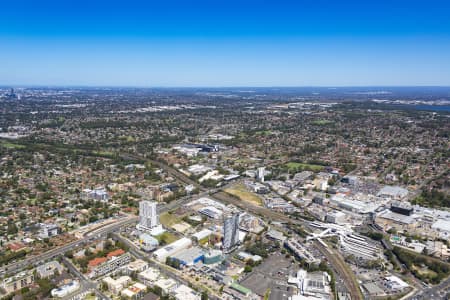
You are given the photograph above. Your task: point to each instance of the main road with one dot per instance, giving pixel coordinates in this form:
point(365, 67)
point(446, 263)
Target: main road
point(439, 291)
point(37, 259)
point(136, 252)
point(86, 285)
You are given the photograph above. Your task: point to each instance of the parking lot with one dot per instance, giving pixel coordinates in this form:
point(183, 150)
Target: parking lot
point(272, 274)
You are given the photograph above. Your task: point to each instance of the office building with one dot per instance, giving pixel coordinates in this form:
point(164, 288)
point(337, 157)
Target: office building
point(403, 208)
point(48, 230)
point(230, 232)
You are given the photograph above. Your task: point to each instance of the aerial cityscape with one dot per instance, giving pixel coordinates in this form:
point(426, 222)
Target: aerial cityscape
point(283, 150)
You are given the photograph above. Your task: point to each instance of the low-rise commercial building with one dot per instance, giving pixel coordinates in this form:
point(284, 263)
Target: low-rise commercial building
point(301, 252)
point(353, 205)
point(442, 227)
point(48, 230)
point(116, 285)
point(171, 249)
point(275, 235)
point(18, 281)
point(211, 211)
point(149, 276)
point(136, 266)
point(66, 289)
point(99, 194)
point(213, 257)
point(393, 192)
point(136, 291)
point(395, 283)
point(315, 285)
point(388, 219)
point(241, 289)
point(184, 292)
point(336, 217)
point(167, 285)
point(202, 234)
point(49, 269)
point(147, 242)
point(189, 256)
point(245, 256)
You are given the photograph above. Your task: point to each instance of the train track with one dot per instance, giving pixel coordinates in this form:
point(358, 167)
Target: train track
point(342, 271)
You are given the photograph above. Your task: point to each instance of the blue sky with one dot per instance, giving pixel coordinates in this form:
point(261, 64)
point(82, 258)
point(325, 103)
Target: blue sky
point(224, 43)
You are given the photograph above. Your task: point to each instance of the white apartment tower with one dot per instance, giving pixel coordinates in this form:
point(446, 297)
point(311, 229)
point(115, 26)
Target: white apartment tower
point(230, 232)
point(148, 215)
point(260, 174)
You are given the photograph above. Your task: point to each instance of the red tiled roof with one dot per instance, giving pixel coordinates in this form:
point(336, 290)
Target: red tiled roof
point(16, 246)
point(96, 261)
point(115, 253)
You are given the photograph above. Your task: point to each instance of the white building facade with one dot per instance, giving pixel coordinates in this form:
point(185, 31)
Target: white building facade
point(148, 215)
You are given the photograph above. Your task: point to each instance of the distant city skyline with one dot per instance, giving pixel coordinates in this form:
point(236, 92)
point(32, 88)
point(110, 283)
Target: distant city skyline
point(225, 43)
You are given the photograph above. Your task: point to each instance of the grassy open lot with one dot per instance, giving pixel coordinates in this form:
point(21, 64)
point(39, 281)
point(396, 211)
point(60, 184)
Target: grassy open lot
point(11, 145)
point(423, 267)
point(203, 241)
point(322, 122)
point(264, 132)
point(297, 167)
point(168, 219)
point(241, 192)
point(424, 271)
point(103, 153)
point(166, 238)
point(127, 138)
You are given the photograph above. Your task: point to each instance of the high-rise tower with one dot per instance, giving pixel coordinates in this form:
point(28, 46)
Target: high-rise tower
point(260, 174)
point(148, 215)
point(230, 232)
